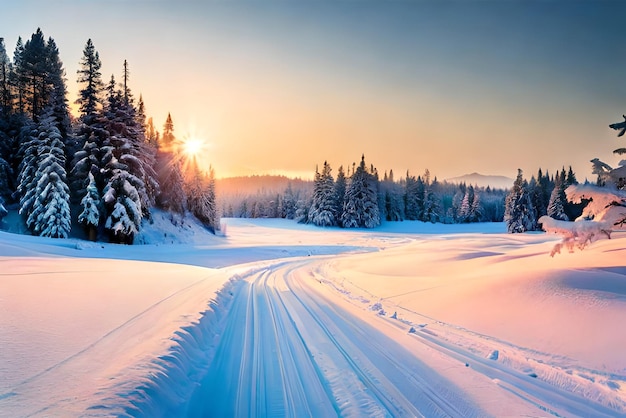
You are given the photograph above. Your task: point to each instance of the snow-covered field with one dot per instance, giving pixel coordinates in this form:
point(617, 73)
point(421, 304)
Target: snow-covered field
point(281, 319)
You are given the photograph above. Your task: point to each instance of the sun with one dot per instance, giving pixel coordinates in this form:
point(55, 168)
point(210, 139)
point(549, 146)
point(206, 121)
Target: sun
point(192, 147)
point(192, 153)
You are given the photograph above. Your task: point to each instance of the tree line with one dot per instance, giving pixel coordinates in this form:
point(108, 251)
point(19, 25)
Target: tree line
point(359, 197)
point(528, 201)
point(96, 171)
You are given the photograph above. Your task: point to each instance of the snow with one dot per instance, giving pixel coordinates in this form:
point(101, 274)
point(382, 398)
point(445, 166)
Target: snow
point(278, 318)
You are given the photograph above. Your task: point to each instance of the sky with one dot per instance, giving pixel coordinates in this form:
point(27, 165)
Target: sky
point(278, 87)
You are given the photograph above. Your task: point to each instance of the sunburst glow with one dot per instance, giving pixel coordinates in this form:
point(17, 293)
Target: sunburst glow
point(191, 147)
point(192, 151)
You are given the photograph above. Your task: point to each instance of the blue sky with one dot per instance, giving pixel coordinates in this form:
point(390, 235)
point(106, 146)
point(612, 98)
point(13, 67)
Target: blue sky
point(454, 87)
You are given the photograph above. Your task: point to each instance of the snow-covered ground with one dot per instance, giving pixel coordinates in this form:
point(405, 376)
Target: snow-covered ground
point(280, 319)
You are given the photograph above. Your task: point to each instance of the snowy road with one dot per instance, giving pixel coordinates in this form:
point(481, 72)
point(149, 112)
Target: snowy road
point(292, 347)
point(287, 351)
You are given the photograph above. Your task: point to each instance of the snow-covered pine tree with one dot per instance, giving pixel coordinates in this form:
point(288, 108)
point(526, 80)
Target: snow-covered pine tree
point(463, 213)
point(572, 210)
point(432, 207)
point(290, 202)
point(361, 204)
point(50, 213)
point(123, 205)
point(413, 197)
point(322, 211)
point(27, 180)
point(606, 208)
point(6, 180)
point(302, 209)
point(201, 199)
point(556, 204)
point(538, 194)
point(341, 184)
point(169, 173)
point(457, 199)
point(130, 146)
point(476, 213)
point(92, 137)
point(91, 205)
point(519, 214)
point(393, 198)
point(211, 214)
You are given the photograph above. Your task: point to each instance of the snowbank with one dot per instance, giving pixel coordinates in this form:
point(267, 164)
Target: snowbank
point(85, 329)
point(554, 319)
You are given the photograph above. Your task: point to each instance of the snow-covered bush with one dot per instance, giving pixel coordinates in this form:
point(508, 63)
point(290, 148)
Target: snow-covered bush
point(606, 208)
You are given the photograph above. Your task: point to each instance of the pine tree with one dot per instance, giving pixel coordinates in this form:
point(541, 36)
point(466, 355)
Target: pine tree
point(6, 180)
point(89, 218)
point(152, 136)
point(341, 184)
point(140, 117)
point(432, 207)
point(58, 93)
point(170, 177)
point(413, 198)
point(90, 77)
point(463, 214)
point(27, 180)
point(322, 211)
point(123, 206)
point(539, 193)
point(129, 145)
point(167, 139)
point(457, 200)
point(290, 202)
point(201, 199)
point(519, 214)
point(93, 138)
point(476, 213)
point(361, 204)
point(91, 158)
point(17, 77)
point(49, 214)
point(34, 74)
point(556, 204)
point(6, 96)
point(171, 181)
point(571, 177)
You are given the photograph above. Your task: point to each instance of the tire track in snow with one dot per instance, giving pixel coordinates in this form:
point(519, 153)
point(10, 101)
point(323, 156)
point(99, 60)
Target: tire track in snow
point(402, 384)
point(543, 395)
point(289, 352)
point(260, 348)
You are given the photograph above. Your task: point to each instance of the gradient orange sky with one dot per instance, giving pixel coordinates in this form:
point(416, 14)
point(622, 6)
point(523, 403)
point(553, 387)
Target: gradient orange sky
point(278, 87)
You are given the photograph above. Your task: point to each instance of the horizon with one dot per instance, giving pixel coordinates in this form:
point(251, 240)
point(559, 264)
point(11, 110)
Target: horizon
point(452, 87)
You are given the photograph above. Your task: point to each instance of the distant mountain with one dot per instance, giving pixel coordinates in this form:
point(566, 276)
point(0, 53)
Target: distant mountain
point(497, 182)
